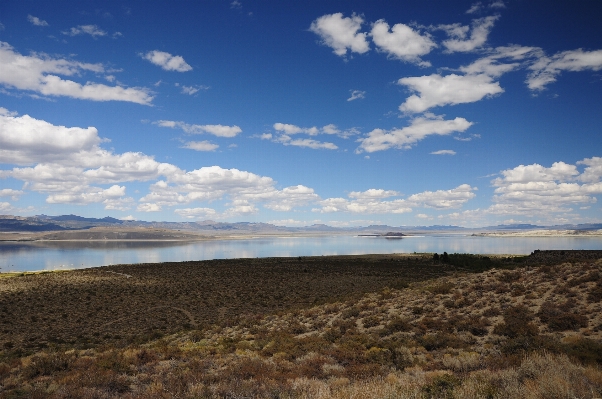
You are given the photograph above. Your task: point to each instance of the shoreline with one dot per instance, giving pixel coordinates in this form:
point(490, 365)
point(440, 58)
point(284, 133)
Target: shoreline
point(541, 233)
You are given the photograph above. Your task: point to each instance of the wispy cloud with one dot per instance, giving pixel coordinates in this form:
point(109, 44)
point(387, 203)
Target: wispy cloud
point(36, 21)
point(167, 61)
point(356, 95)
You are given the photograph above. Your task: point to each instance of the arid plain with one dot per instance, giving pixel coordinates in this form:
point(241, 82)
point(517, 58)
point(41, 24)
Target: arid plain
point(313, 327)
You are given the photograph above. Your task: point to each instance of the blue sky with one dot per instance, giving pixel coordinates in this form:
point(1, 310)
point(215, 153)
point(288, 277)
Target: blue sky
point(338, 112)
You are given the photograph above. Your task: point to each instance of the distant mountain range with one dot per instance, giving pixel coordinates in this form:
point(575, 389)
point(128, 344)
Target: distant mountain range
point(43, 223)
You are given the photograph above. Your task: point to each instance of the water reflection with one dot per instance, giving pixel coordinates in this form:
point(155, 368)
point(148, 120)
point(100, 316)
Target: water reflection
point(52, 255)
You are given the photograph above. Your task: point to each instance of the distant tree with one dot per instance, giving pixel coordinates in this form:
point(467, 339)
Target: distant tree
point(445, 257)
point(436, 257)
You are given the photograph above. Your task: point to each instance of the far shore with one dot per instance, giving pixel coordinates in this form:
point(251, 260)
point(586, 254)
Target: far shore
point(542, 233)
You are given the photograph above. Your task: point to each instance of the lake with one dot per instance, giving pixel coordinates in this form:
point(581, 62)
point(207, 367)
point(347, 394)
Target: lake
point(30, 256)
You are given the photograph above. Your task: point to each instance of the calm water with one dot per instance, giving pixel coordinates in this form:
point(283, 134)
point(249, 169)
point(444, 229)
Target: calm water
point(70, 255)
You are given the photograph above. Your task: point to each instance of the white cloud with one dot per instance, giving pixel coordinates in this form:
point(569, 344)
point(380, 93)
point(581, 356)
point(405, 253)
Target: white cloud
point(9, 192)
point(341, 34)
point(167, 61)
point(127, 218)
point(444, 199)
point(460, 41)
point(401, 42)
point(148, 208)
point(201, 146)
point(238, 210)
point(288, 130)
point(243, 188)
point(69, 162)
point(593, 170)
point(476, 7)
point(36, 21)
point(356, 95)
point(91, 30)
point(90, 195)
point(547, 69)
point(6, 208)
point(119, 204)
point(423, 216)
point(373, 193)
point(535, 189)
point(197, 213)
point(489, 66)
point(405, 138)
point(444, 152)
point(191, 90)
point(25, 140)
point(288, 198)
point(497, 4)
point(373, 204)
point(436, 90)
point(309, 143)
point(216, 130)
point(37, 73)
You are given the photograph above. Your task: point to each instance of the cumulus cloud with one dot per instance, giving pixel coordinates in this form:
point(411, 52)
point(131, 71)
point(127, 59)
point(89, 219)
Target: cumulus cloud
point(370, 201)
point(9, 192)
point(401, 42)
point(405, 138)
point(436, 90)
point(536, 189)
point(461, 41)
point(341, 33)
point(444, 152)
point(36, 21)
point(148, 208)
point(167, 61)
point(70, 166)
point(201, 146)
point(25, 140)
point(91, 30)
point(38, 73)
point(213, 183)
point(373, 193)
point(356, 95)
point(68, 162)
point(90, 195)
point(547, 69)
point(444, 199)
point(216, 130)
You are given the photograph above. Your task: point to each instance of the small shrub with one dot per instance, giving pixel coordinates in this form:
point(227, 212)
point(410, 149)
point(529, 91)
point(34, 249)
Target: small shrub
point(397, 324)
point(46, 364)
point(439, 340)
point(371, 321)
point(350, 312)
point(441, 386)
point(517, 322)
point(557, 319)
point(441, 288)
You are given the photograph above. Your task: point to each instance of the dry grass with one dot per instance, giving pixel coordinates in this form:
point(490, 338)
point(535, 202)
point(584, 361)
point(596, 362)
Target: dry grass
point(495, 334)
